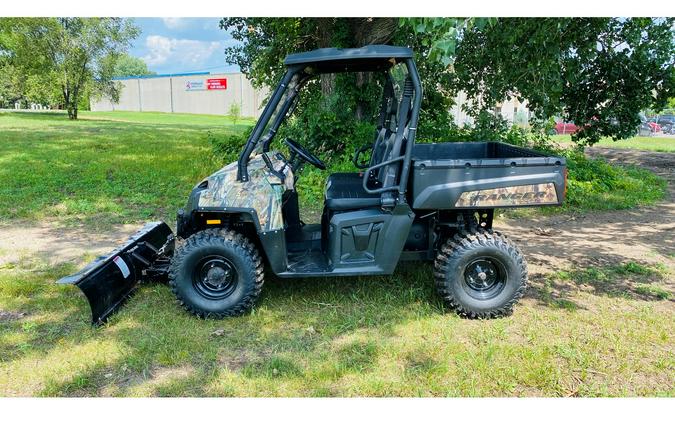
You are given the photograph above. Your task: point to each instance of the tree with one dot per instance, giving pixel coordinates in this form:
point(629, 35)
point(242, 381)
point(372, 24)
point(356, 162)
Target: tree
point(234, 112)
point(332, 112)
point(11, 89)
point(265, 42)
point(596, 72)
point(128, 65)
point(348, 100)
point(72, 55)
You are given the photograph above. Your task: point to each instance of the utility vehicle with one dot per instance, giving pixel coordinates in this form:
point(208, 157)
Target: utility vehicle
point(408, 201)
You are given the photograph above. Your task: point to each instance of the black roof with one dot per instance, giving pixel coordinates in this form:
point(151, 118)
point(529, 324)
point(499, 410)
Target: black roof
point(368, 58)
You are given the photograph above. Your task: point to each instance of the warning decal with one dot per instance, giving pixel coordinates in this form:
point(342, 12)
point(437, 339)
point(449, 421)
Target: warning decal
point(122, 266)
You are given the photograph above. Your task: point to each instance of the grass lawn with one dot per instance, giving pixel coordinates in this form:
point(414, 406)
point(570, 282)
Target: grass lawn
point(111, 167)
point(578, 332)
point(378, 336)
point(648, 143)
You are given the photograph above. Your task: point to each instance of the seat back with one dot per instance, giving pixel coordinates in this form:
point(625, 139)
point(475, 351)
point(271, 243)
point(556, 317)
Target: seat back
point(388, 175)
point(386, 124)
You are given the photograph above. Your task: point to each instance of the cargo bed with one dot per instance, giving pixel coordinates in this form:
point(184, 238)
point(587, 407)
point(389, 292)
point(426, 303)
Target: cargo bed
point(457, 175)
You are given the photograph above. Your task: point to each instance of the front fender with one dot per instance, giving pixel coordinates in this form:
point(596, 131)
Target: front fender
point(244, 220)
point(261, 193)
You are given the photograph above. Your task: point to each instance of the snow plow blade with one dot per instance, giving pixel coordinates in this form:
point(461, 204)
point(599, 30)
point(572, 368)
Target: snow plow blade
point(109, 280)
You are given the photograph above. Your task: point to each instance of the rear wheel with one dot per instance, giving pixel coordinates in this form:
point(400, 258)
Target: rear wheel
point(480, 274)
point(216, 273)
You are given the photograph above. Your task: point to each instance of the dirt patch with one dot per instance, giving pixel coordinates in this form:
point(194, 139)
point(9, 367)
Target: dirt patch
point(7, 316)
point(53, 244)
point(238, 359)
point(645, 235)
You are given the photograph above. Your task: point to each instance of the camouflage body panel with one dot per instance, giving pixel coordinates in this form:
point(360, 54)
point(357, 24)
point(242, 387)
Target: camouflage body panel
point(540, 194)
point(262, 192)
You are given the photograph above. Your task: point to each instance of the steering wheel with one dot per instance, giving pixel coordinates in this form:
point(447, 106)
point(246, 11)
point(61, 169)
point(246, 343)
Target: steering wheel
point(307, 156)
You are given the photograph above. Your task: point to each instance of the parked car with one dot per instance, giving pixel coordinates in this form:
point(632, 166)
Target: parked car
point(666, 120)
point(564, 128)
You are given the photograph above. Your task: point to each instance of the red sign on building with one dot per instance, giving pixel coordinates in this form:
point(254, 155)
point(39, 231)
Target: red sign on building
point(220, 83)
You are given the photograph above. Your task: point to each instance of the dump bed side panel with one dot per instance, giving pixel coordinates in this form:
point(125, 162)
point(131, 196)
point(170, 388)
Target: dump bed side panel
point(484, 175)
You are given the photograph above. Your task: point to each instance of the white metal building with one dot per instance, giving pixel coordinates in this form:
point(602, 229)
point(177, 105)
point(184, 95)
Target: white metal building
point(206, 93)
point(512, 110)
point(198, 93)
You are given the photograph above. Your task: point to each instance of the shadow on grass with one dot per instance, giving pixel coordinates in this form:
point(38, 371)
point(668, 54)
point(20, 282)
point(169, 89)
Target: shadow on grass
point(313, 332)
point(632, 280)
point(332, 321)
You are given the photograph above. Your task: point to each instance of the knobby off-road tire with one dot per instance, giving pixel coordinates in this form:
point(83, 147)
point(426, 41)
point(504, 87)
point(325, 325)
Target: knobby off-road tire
point(216, 273)
point(480, 274)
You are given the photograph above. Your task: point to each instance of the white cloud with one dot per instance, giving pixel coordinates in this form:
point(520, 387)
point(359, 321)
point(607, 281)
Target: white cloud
point(175, 23)
point(192, 53)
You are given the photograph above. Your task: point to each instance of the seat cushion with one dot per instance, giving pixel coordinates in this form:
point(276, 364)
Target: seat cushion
point(344, 191)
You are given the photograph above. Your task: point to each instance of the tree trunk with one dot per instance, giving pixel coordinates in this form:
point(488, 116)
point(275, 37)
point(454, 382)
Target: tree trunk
point(325, 30)
point(361, 32)
point(67, 102)
point(370, 31)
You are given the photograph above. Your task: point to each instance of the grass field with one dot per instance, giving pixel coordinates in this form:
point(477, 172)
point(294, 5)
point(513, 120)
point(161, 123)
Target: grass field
point(120, 167)
point(648, 143)
point(578, 332)
point(383, 336)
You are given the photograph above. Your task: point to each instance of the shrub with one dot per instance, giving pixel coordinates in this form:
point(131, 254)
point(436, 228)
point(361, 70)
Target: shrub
point(234, 112)
point(595, 184)
point(227, 146)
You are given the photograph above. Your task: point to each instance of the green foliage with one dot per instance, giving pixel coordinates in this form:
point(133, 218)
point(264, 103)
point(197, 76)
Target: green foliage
point(332, 107)
point(596, 72)
point(68, 56)
point(440, 36)
point(327, 125)
point(265, 42)
point(227, 146)
point(234, 112)
point(127, 65)
point(594, 184)
point(11, 87)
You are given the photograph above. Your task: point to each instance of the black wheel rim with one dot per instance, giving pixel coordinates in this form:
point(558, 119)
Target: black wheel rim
point(214, 277)
point(484, 278)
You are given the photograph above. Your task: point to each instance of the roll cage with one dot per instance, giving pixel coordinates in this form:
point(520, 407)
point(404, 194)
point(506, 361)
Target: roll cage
point(301, 67)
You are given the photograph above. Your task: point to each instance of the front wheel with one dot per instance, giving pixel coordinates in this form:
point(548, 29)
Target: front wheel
point(480, 274)
point(216, 273)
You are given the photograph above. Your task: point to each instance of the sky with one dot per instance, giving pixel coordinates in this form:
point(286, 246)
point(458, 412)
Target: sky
point(179, 45)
